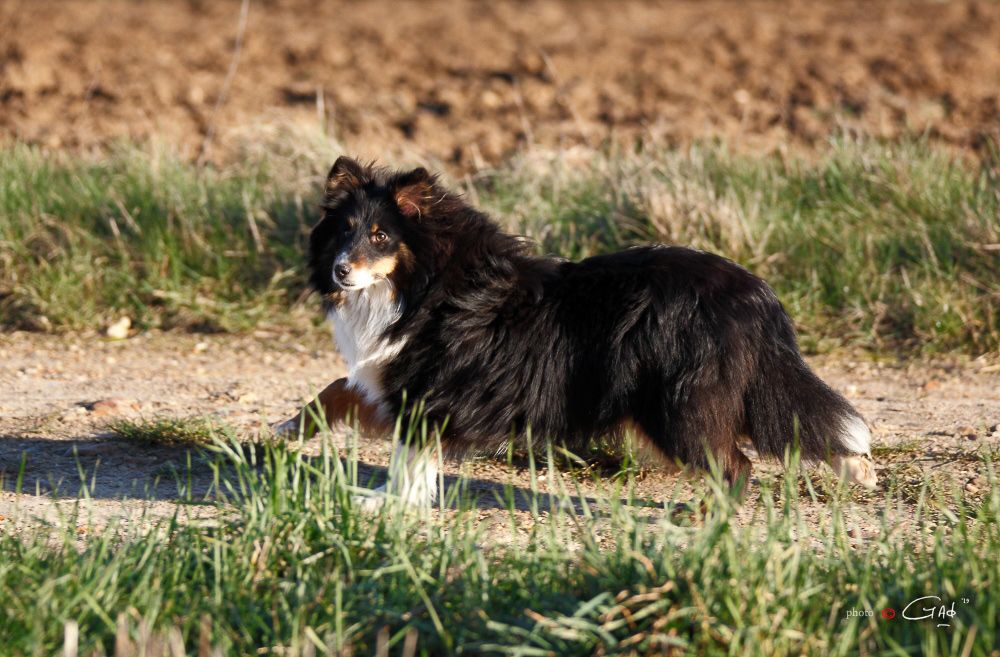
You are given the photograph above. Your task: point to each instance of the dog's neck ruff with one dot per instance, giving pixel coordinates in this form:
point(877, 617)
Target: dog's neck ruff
point(359, 322)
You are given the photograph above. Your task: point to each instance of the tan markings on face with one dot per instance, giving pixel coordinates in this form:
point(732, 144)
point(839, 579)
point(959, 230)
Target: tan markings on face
point(384, 266)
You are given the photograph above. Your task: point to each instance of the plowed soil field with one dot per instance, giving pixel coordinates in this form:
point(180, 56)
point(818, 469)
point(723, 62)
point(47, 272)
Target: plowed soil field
point(468, 82)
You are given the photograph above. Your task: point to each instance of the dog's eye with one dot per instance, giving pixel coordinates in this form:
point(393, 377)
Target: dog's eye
point(378, 237)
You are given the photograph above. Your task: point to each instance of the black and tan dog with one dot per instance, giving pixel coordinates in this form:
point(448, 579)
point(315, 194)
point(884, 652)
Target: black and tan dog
point(431, 301)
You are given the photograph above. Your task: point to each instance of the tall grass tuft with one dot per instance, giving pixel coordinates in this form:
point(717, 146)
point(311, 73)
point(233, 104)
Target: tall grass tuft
point(879, 245)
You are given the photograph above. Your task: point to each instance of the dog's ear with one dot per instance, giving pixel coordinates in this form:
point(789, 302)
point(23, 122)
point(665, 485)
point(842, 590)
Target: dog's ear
point(345, 174)
point(414, 192)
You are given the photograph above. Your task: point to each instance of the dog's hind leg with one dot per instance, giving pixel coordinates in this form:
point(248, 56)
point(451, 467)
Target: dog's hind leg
point(704, 429)
point(704, 446)
point(339, 402)
point(736, 469)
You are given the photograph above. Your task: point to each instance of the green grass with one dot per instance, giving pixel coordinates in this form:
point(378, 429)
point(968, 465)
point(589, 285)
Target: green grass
point(903, 448)
point(876, 245)
point(170, 431)
point(144, 234)
point(289, 566)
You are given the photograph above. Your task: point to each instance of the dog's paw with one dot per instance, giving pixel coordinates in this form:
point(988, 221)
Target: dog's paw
point(371, 502)
point(855, 469)
point(368, 503)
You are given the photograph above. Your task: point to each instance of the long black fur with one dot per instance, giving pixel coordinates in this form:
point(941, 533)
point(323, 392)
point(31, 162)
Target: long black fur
point(689, 347)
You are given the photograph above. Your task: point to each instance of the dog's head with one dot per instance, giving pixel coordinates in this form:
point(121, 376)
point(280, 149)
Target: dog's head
point(365, 236)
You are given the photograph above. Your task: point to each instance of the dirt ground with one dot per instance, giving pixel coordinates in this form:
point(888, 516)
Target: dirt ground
point(929, 419)
point(468, 82)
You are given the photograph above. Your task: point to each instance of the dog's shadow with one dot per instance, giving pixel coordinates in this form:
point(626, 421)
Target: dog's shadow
point(108, 468)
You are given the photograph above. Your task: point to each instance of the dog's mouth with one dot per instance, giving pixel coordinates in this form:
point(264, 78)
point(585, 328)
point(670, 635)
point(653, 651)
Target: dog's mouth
point(349, 287)
point(357, 280)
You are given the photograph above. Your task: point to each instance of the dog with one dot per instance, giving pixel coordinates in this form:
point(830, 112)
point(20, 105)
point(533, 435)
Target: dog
point(440, 313)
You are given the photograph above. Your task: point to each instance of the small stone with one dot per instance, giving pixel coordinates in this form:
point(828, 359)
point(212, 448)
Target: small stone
point(200, 347)
point(119, 330)
point(933, 384)
point(112, 406)
point(853, 532)
point(967, 432)
point(196, 95)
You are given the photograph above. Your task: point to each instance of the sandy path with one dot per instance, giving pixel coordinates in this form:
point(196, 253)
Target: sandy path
point(929, 419)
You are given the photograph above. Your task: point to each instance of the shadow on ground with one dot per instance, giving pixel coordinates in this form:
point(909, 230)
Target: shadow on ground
point(113, 469)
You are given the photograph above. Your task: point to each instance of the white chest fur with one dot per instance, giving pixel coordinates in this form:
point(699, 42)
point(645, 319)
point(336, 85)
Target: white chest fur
point(359, 324)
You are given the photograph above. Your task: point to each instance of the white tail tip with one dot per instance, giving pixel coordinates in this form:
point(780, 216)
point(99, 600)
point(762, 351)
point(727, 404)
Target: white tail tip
point(855, 436)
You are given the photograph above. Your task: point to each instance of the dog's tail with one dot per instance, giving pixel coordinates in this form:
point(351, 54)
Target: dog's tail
point(786, 403)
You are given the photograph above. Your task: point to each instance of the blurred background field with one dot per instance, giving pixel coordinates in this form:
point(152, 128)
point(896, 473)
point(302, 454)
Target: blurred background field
point(469, 83)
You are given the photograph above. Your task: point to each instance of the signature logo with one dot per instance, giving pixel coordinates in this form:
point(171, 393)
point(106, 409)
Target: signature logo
point(931, 607)
point(928, 607)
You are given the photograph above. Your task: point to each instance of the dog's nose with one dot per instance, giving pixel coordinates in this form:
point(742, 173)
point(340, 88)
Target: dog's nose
point(341, 270)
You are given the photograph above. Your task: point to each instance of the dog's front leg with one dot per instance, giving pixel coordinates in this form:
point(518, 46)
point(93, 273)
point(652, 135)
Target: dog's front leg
point(339, 402)
point(413, 470)
point(413, 479)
